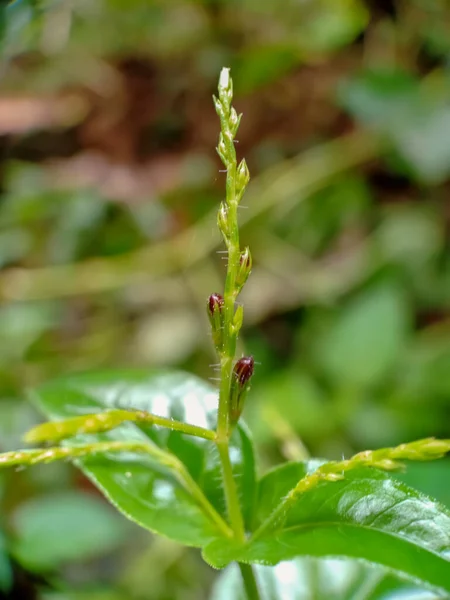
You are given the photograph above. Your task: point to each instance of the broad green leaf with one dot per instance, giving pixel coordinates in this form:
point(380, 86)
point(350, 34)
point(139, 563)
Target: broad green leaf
point(53, 529)
point(366, 338)
point(144, 490)
point(321, 579)
point(367, 515)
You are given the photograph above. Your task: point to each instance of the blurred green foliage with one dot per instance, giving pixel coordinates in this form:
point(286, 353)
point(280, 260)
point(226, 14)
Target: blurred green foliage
point(109, 185)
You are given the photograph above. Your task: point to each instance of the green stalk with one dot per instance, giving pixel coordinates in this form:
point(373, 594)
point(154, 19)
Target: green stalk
point(250, 585)
point(226, 365)
point(225, 320)
point(231, 494)
point(233, 248)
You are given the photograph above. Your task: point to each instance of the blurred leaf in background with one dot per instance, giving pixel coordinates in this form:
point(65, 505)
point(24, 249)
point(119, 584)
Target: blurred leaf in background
point(361, 346)
point(55, 529)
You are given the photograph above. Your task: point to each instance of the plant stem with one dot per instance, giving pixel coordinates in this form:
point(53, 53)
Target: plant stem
point(231, 493)
point(226, 364)
point(250, 585)
point(227, 330)
point(229, 349)
point(228, 225)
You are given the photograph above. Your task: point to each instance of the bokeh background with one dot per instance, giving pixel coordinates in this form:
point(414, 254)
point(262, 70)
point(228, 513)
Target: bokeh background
point(109, 188)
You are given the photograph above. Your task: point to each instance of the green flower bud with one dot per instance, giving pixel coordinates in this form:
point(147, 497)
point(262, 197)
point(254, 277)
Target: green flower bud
point(222, 150)
point(242, 177)
point(332, 477)
point(238, 319)
point(218, 106)
point(240, 385)
point(386, 464)
point(234, 121)
point(225, 88)
point(245, 267)
point(222, 221)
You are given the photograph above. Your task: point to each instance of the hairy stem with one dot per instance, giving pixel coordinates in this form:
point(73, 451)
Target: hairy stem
point(226, 365)
point(231, 493)
point(226, 337)
point(229, 337)
point(249, 579)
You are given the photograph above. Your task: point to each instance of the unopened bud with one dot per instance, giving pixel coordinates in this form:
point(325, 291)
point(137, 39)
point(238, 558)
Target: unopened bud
point(332, 476)
point(217, 105)
point(240, 385)
point(222, 221)
point(387, 464)
point(233, 122)
point(244, 269)
point(222, 150)
point(238, 319)
point(225, 87)
point(214, 308)
point(242, 177)
point(215, 303)
point(429, 448)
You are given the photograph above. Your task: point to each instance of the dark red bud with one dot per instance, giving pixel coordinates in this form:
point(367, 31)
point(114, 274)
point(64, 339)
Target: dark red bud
point(243, 369)
point(215, 302)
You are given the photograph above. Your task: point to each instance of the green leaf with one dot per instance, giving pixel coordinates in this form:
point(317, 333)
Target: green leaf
point(415, 120)
point(142, 489)
point(367, 337)
point(53, 529)
point(262, 64)
point(323, 579)
point(367, 515)
point(310, 28)
point(326, 25)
